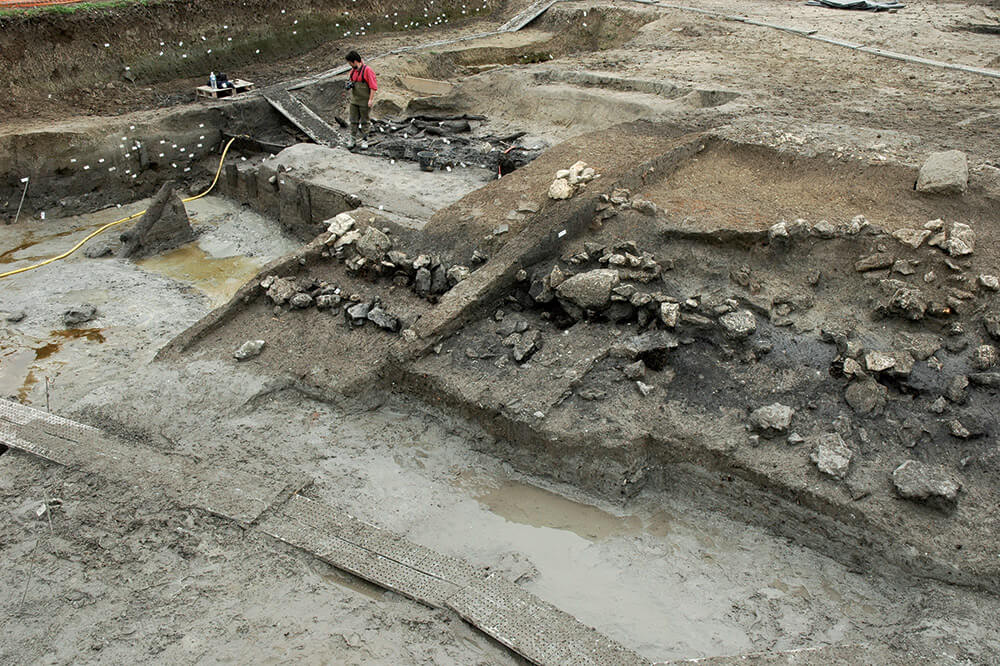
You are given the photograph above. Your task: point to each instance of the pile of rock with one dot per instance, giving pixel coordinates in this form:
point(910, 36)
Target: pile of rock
point(523, 340)
point(299, 294)
point(369, 251)
point(568, 181)
point(620, 199)
point(784, 231)
point(613, 285)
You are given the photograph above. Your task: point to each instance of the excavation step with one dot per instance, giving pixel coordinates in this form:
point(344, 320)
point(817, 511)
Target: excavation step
point(301, 116)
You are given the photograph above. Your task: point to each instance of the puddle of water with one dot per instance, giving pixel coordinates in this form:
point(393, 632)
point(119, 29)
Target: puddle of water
point(33, 239)
point(522, 503)
point(529, 505)
point(216, 277)
point(17, 371)
point(91, 334)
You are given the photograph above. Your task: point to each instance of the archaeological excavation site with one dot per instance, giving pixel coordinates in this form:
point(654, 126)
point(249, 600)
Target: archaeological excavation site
point(623, 332)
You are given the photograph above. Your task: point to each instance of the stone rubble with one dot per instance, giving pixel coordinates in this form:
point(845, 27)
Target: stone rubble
point(831, 455)
point(568, 181)
point(921, 482)
point(249, 349)
point(79, 314)
point(772, 420)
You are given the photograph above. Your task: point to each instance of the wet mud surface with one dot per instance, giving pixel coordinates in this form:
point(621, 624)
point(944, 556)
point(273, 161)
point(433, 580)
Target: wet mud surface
point(700, 460)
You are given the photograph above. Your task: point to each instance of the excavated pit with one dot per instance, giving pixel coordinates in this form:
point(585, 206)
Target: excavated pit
point(448, 390)
point(565, 409)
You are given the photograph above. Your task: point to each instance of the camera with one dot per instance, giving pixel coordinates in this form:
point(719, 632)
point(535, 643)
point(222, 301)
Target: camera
point(348, 85)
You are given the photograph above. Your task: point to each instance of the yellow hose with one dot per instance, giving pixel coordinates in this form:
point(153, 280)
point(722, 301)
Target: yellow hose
point(121, 221)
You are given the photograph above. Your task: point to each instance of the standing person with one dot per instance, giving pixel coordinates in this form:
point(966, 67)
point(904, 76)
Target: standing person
point(361, 90)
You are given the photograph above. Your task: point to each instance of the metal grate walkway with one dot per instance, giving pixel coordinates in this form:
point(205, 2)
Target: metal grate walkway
point(536, 630)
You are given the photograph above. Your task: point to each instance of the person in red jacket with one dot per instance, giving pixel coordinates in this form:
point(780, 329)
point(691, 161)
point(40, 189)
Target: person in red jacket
point(361, 93)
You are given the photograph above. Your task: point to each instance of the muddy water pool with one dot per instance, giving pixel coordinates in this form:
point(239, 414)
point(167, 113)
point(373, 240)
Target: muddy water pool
point(662, 575)
point(140, 306)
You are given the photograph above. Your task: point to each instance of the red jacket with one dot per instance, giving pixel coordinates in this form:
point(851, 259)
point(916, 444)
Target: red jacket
point(366, 74)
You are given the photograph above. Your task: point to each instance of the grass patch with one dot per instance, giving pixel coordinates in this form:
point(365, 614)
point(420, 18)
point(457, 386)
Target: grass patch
point(79, 7)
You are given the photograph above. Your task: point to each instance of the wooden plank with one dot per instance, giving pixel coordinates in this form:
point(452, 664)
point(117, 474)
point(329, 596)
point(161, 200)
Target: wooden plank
point(302, 116)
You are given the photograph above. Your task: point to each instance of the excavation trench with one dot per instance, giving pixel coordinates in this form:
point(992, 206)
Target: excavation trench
point(668, 575)
point(646, 508)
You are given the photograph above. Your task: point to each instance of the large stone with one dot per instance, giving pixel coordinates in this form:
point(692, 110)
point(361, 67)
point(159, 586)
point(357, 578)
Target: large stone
point(651, 341)
point(961, 240)
point(350, 238)
point(439, 280)
point(957, 390)
point(457, 273)
point(991, 322)
point(300, 301)
point(778, 231)
point(248, 349)
point(772, 420)
point(985, 357)
point(738, 325)
point(383, 319)
point(338, 226)
point(669, 314)
point(422, 281)
point(79, 314)
point(560, 189)
point(358, 313)
point(526, 345)
point(877, 361)
point(824, 229)
point(944, 173)
point(281, 290)
point(512, 324)
point(163, 227)
point(590, 290)
point(327, 301)
point(635, 370)
point(866, 396)
point(991, 282)
point(832, 455)
point(874, 262)
point(373, 244)
point(911, 237)
point(908, 303)
point(921, 482)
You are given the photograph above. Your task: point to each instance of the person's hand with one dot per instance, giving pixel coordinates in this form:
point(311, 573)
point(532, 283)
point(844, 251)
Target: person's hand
point(371, 103)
